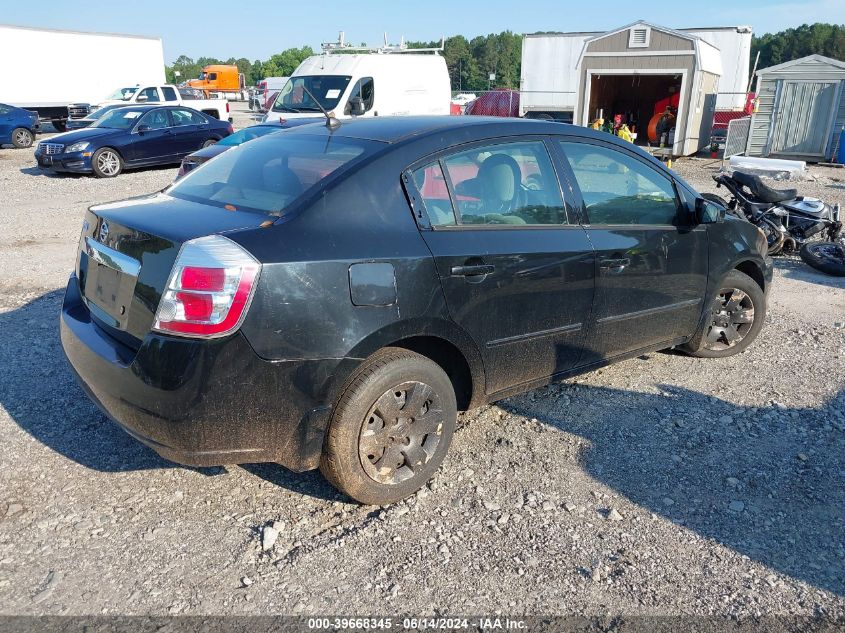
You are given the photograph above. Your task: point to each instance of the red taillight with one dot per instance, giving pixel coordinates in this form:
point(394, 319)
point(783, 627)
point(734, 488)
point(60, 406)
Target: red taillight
point(197, 278)
point(209, 289)
point(227, 106)
point(231, 129)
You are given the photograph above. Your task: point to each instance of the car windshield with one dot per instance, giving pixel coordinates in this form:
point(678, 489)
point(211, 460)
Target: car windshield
point(98, 113)
point(269, 174)
point(327, 89)
point(247, 134)
point(118, 119)
point(123, 94)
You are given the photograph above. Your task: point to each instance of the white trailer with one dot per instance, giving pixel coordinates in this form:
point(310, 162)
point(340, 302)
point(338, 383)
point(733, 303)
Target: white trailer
point(549, 82)
point(55, 68)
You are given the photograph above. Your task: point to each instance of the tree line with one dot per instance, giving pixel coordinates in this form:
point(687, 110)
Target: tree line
point(807, 39)
point(472, 62)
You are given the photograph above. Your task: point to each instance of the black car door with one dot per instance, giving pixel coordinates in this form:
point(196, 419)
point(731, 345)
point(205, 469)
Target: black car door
point(516, 270)
point(651, 260)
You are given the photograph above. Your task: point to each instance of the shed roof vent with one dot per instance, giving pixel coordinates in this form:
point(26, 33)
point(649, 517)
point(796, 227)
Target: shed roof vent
point(639, 36)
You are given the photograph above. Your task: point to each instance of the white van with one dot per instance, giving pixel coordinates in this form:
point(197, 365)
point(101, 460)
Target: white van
point(385, 82)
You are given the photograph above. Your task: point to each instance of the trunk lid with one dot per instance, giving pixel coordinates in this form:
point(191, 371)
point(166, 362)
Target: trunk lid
point(127, 250)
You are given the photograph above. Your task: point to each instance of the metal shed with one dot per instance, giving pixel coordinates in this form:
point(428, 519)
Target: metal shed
point(800, 109)
point(646, 61)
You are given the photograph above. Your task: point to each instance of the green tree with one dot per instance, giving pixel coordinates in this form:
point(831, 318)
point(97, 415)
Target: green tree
point(807, 39)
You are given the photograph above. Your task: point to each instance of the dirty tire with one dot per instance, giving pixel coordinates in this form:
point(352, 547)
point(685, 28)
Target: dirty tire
point(107, 162)
point(746, 286)
point(347, 437)
point(22, 138)
point(828, 257)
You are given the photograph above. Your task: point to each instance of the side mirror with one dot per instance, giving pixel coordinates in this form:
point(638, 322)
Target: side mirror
point(708, 212)
point(141, 98)
point(143, 128)
point(356, 106)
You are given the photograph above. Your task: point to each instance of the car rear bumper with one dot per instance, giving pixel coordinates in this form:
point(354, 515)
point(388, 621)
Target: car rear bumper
point(199, 403)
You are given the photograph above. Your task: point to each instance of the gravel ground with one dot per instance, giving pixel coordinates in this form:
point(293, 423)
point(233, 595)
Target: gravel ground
point(662, 485)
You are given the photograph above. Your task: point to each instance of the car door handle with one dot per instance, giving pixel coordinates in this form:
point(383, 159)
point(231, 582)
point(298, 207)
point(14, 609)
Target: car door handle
point(472, 270)
point(614, 266)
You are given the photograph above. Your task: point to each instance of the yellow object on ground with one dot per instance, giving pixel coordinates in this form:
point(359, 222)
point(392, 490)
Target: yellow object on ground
point(625, 134)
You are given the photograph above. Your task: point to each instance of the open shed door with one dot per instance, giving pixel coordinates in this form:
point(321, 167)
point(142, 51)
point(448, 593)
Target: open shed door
point(803, 118)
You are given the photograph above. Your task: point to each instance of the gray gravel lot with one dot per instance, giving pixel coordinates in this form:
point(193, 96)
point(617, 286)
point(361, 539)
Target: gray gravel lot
point(662, 485)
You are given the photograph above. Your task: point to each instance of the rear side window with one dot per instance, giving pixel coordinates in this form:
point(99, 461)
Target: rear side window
point(186, 117)
point(169, 94)
point(4, 109)
point(618, 188)
point(508, 183)
point(268, 174)
point(431, 184)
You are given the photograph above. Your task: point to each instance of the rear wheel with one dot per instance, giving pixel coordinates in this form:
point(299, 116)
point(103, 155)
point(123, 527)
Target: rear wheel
point(391, 428)
point(106, 162)
point(209, 142)
point(828, 257)
point(21, 138)
point(735, 319)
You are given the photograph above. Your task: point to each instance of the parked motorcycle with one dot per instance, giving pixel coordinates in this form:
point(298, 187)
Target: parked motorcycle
point(789, 221)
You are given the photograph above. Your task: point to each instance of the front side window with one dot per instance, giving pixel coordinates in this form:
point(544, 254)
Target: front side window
point(155, 120)
point(151, 95)
point(212, 76)
point(169, 93)
point(326, 89)
point(620, 189)
point(268, 174)
point(508, 183)
point(364, 89)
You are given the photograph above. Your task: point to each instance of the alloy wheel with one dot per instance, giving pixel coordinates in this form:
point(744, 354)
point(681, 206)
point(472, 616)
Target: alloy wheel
point(108, 163)
point(401, 432)
point(23, 138)
point(732, 317)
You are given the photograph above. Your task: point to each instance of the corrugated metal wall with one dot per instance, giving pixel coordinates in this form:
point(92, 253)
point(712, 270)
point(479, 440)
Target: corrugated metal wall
point(793, 119)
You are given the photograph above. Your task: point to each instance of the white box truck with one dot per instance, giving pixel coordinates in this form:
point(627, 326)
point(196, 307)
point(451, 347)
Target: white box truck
point(362, 82)
point(45, 70)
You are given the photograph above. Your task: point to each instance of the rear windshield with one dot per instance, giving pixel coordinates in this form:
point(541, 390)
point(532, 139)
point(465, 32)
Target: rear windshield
point(269, 173)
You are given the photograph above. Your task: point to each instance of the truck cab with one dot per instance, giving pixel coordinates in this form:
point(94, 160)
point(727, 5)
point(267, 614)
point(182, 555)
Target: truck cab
point(391, 81)
point(223, 78)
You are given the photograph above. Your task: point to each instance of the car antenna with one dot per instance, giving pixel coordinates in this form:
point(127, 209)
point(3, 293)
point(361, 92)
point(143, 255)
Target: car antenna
point(331, 122)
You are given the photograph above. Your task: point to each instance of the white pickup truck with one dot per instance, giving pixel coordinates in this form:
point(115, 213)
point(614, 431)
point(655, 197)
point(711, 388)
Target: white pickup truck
point(167, 94)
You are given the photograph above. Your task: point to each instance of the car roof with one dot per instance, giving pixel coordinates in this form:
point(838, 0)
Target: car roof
point(403, 128)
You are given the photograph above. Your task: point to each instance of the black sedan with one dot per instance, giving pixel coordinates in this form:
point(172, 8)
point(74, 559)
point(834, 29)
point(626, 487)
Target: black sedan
point(131, 136)
point(332, 298)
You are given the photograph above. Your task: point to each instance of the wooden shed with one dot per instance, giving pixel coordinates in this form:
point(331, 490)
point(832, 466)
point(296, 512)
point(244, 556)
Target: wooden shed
point(637, 69)
point(800, 109)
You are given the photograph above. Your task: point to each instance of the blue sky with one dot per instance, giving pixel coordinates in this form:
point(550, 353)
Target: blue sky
point(227, 28)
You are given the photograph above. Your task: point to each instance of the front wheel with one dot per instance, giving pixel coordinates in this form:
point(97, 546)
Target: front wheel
point(828, 257)
point(21, 138)
point(106, 163)
point(391, 428)
point(735, 318)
